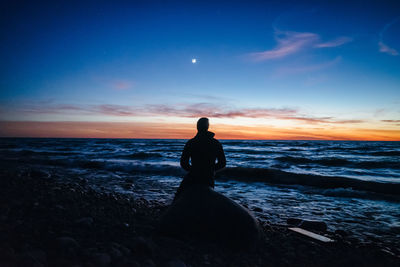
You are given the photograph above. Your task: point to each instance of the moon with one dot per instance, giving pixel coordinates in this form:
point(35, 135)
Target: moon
point(194, 60)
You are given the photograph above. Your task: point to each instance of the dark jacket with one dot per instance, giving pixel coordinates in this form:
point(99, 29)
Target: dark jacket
point(203, 150)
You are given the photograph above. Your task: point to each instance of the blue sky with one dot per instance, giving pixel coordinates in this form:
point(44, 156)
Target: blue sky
point(258, 63)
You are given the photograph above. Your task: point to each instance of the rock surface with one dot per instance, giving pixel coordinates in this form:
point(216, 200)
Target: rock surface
point(46, 234)
point(314, 225)
point(204, 214)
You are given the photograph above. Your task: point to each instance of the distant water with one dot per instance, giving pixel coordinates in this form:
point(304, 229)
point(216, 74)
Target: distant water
point(350, 185)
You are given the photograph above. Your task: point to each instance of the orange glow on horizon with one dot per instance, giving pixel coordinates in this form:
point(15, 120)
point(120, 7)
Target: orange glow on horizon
point(186, 131)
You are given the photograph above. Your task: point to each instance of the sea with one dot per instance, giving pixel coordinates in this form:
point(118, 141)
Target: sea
point(350, 185)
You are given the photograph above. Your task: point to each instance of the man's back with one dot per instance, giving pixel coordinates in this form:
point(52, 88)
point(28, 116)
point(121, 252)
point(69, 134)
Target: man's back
point(203, 150)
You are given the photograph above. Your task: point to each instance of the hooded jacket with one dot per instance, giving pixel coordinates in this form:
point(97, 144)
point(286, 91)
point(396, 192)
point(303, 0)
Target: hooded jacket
point(203, 151)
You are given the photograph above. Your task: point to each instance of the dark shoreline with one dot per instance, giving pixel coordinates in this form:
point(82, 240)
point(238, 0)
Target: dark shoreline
point(48, 222)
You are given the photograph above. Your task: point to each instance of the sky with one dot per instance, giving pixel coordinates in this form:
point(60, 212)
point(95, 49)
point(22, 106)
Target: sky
point(303, 70)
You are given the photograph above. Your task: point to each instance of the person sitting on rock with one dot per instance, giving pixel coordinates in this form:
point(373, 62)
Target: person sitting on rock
point(199, 158)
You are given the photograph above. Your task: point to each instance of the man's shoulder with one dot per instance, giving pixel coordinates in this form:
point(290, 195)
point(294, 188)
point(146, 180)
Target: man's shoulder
point(216, 142)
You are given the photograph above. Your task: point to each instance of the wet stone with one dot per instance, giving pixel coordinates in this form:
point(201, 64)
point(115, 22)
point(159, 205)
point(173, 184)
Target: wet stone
point(314, 225)
point(101, 259)
point(149, 263)
point(142, 246)
point(176, 263)
point(342, 233)
point(38, 255)
point(84, 222)
point(67, 243)
point(115, 253)
point(257, 209)
point(293, 221)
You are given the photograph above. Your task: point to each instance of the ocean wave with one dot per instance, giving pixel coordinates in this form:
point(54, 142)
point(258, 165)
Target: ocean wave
point(340, 162)
point(27, 152)
point(325, 161)
point(272, 176)
point(386, 153)
point(327, 182)
point(142, 155)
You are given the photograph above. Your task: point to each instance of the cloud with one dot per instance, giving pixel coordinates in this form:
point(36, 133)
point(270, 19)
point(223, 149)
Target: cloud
point(289, 43)
point(334, 43)
point(392, 121)
point(218, 111)
point(194, 110)
point(121, 85)
point(384, 48)
point(325, 120)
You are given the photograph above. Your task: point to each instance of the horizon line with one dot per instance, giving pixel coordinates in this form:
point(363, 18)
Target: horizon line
point(226, 139)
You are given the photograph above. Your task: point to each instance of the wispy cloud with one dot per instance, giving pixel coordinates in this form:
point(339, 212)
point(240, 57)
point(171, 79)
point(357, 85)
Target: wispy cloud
point(218, 111)
point(393, 121)
point(384, 48)
point(289, 43)
point(193, 110)
point(121, 85)
point(337, 42)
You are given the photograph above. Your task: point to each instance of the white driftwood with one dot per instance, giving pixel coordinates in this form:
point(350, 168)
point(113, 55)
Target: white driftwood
point(311, 235)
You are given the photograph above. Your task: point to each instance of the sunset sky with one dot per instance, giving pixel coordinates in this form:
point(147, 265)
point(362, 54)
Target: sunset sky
point(263, 70)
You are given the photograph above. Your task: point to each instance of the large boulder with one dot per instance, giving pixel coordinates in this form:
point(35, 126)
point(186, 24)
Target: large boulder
point(201, 213)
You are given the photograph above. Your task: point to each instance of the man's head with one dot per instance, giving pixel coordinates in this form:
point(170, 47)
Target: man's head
point(202, 125)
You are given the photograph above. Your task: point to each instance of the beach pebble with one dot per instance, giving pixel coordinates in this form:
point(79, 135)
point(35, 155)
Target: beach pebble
point(148, 263)
point(85, 222)
point(257, 209)
point(121, 248)
point(66, 243)
point(176, 263)
point(142, 246)
point(38, 174)
point(83, 181)
point(115, 253)
point(313, 225)
point(101, 259)
point(37, 255)
point(130, 263)
point(341, 232)
point(293, 221)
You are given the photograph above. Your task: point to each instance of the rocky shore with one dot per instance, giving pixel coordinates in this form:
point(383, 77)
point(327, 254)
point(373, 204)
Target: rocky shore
point(45, 221)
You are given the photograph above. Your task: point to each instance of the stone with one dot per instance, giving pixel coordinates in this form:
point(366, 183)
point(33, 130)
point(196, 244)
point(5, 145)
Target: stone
point(342, 233)
point(257, 209)
point(130, 263)
point(201, 213)
point(84, 222)
point(115, 253)
point(293, 221)
point(176, 263)
point(39, 174)
point(142, 246)
point(124, 250)
point(83, 181)
point(101, 259)
point(38, 255)
point(149, 263)
point(67, 243)
point(313, 225)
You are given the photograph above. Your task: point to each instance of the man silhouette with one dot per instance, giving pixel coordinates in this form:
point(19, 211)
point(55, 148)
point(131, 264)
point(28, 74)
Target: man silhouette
point(199, 158)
